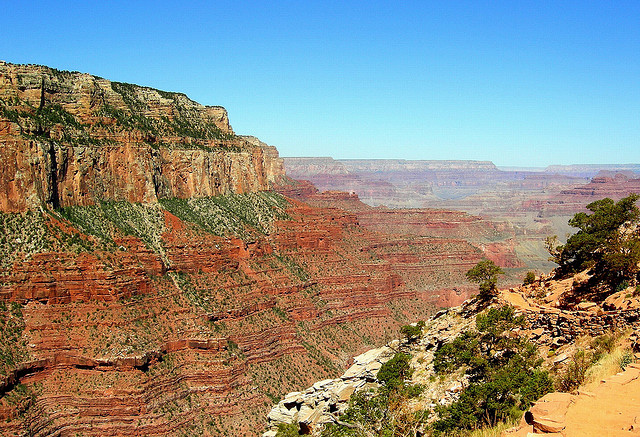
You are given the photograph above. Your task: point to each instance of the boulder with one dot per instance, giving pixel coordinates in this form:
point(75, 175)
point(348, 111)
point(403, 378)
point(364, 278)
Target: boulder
point(548, 414)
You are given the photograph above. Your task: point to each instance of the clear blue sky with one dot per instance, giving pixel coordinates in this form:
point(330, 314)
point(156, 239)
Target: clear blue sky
point(515, 82)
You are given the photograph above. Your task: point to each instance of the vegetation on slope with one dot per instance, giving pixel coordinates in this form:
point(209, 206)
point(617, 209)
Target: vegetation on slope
point(608, 240)
point(504, 377)
point(13, 348)
point(232, 214)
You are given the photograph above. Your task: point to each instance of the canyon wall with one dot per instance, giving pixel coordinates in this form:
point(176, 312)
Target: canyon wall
point(150, 286)
point(74, 139)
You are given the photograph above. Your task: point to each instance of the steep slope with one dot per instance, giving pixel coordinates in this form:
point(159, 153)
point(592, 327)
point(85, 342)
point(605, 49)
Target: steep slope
point(148, 284)
point(605, 405)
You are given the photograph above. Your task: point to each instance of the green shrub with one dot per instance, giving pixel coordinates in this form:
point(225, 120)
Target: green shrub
point(504, 373)
point(529, 278)
point(287, 430)
point(602, 242)
point(393, 373)
point(412, 333)
point(485, 273)
point(622, 286)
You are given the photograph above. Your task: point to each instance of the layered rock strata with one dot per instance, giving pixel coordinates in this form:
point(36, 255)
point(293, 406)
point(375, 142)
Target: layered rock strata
point(76, 139)
point(172, 323)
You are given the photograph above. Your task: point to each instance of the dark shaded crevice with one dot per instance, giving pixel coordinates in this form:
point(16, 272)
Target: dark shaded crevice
point(54, 198)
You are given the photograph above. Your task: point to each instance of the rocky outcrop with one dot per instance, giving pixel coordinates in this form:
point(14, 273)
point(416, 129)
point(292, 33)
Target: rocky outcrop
point(324, 400)
point(76, 139)
point(607, 407)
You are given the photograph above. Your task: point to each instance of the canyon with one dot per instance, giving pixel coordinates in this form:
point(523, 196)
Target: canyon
point(162, 275)
point(533, 202)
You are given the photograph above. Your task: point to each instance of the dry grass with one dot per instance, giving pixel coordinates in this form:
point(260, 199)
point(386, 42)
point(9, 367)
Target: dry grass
point(494, 431)
point(609, 364)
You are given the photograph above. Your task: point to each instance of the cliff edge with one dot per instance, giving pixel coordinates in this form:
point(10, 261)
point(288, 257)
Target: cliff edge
point(69, 138)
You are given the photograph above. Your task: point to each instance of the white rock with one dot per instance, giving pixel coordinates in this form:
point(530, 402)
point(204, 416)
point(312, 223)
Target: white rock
point(293, 396)
point(371, 355)
point(305, 413)
point(373, 367)
point(280, 416)
point(320, 384)
point(354, 371)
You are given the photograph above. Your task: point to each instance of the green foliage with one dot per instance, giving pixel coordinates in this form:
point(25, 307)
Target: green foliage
point(287, 430)
point(13, 349)
point(607, 238)
point(231, 214)
point(529, 278)
point(412, 333)
point(22, 233)
point(496, 321)
point(394, 372)
point(504, 379)
point(504, 373)
point(53, 114)
point(380, 413)
point(485, 273)
point(104, 219)
point(281, 313)
point(367, 409)
point(622, 286)
point(461, 351)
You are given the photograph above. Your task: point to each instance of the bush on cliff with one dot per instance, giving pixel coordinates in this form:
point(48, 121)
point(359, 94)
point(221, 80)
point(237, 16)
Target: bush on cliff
point(485, 273)
point(504, 373)
point(529, 278)
point(607, 239)
point(394, 372)
point(382, 412)
point(412, 333)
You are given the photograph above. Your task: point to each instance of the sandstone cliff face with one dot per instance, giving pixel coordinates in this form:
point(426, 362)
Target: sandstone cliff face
point(75, 139)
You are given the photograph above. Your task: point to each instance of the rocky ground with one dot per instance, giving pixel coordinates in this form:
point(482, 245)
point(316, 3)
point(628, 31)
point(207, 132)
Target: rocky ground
point(606, 405)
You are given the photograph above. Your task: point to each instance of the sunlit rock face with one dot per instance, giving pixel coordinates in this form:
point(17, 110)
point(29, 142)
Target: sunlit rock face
point(74, 139)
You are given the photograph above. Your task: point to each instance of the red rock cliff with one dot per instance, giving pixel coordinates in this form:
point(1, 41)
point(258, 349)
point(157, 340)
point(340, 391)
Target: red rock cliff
point(73, 139)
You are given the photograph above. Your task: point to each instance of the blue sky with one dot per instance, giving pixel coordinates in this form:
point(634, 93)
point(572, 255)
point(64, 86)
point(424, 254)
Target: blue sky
point(519, 83)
